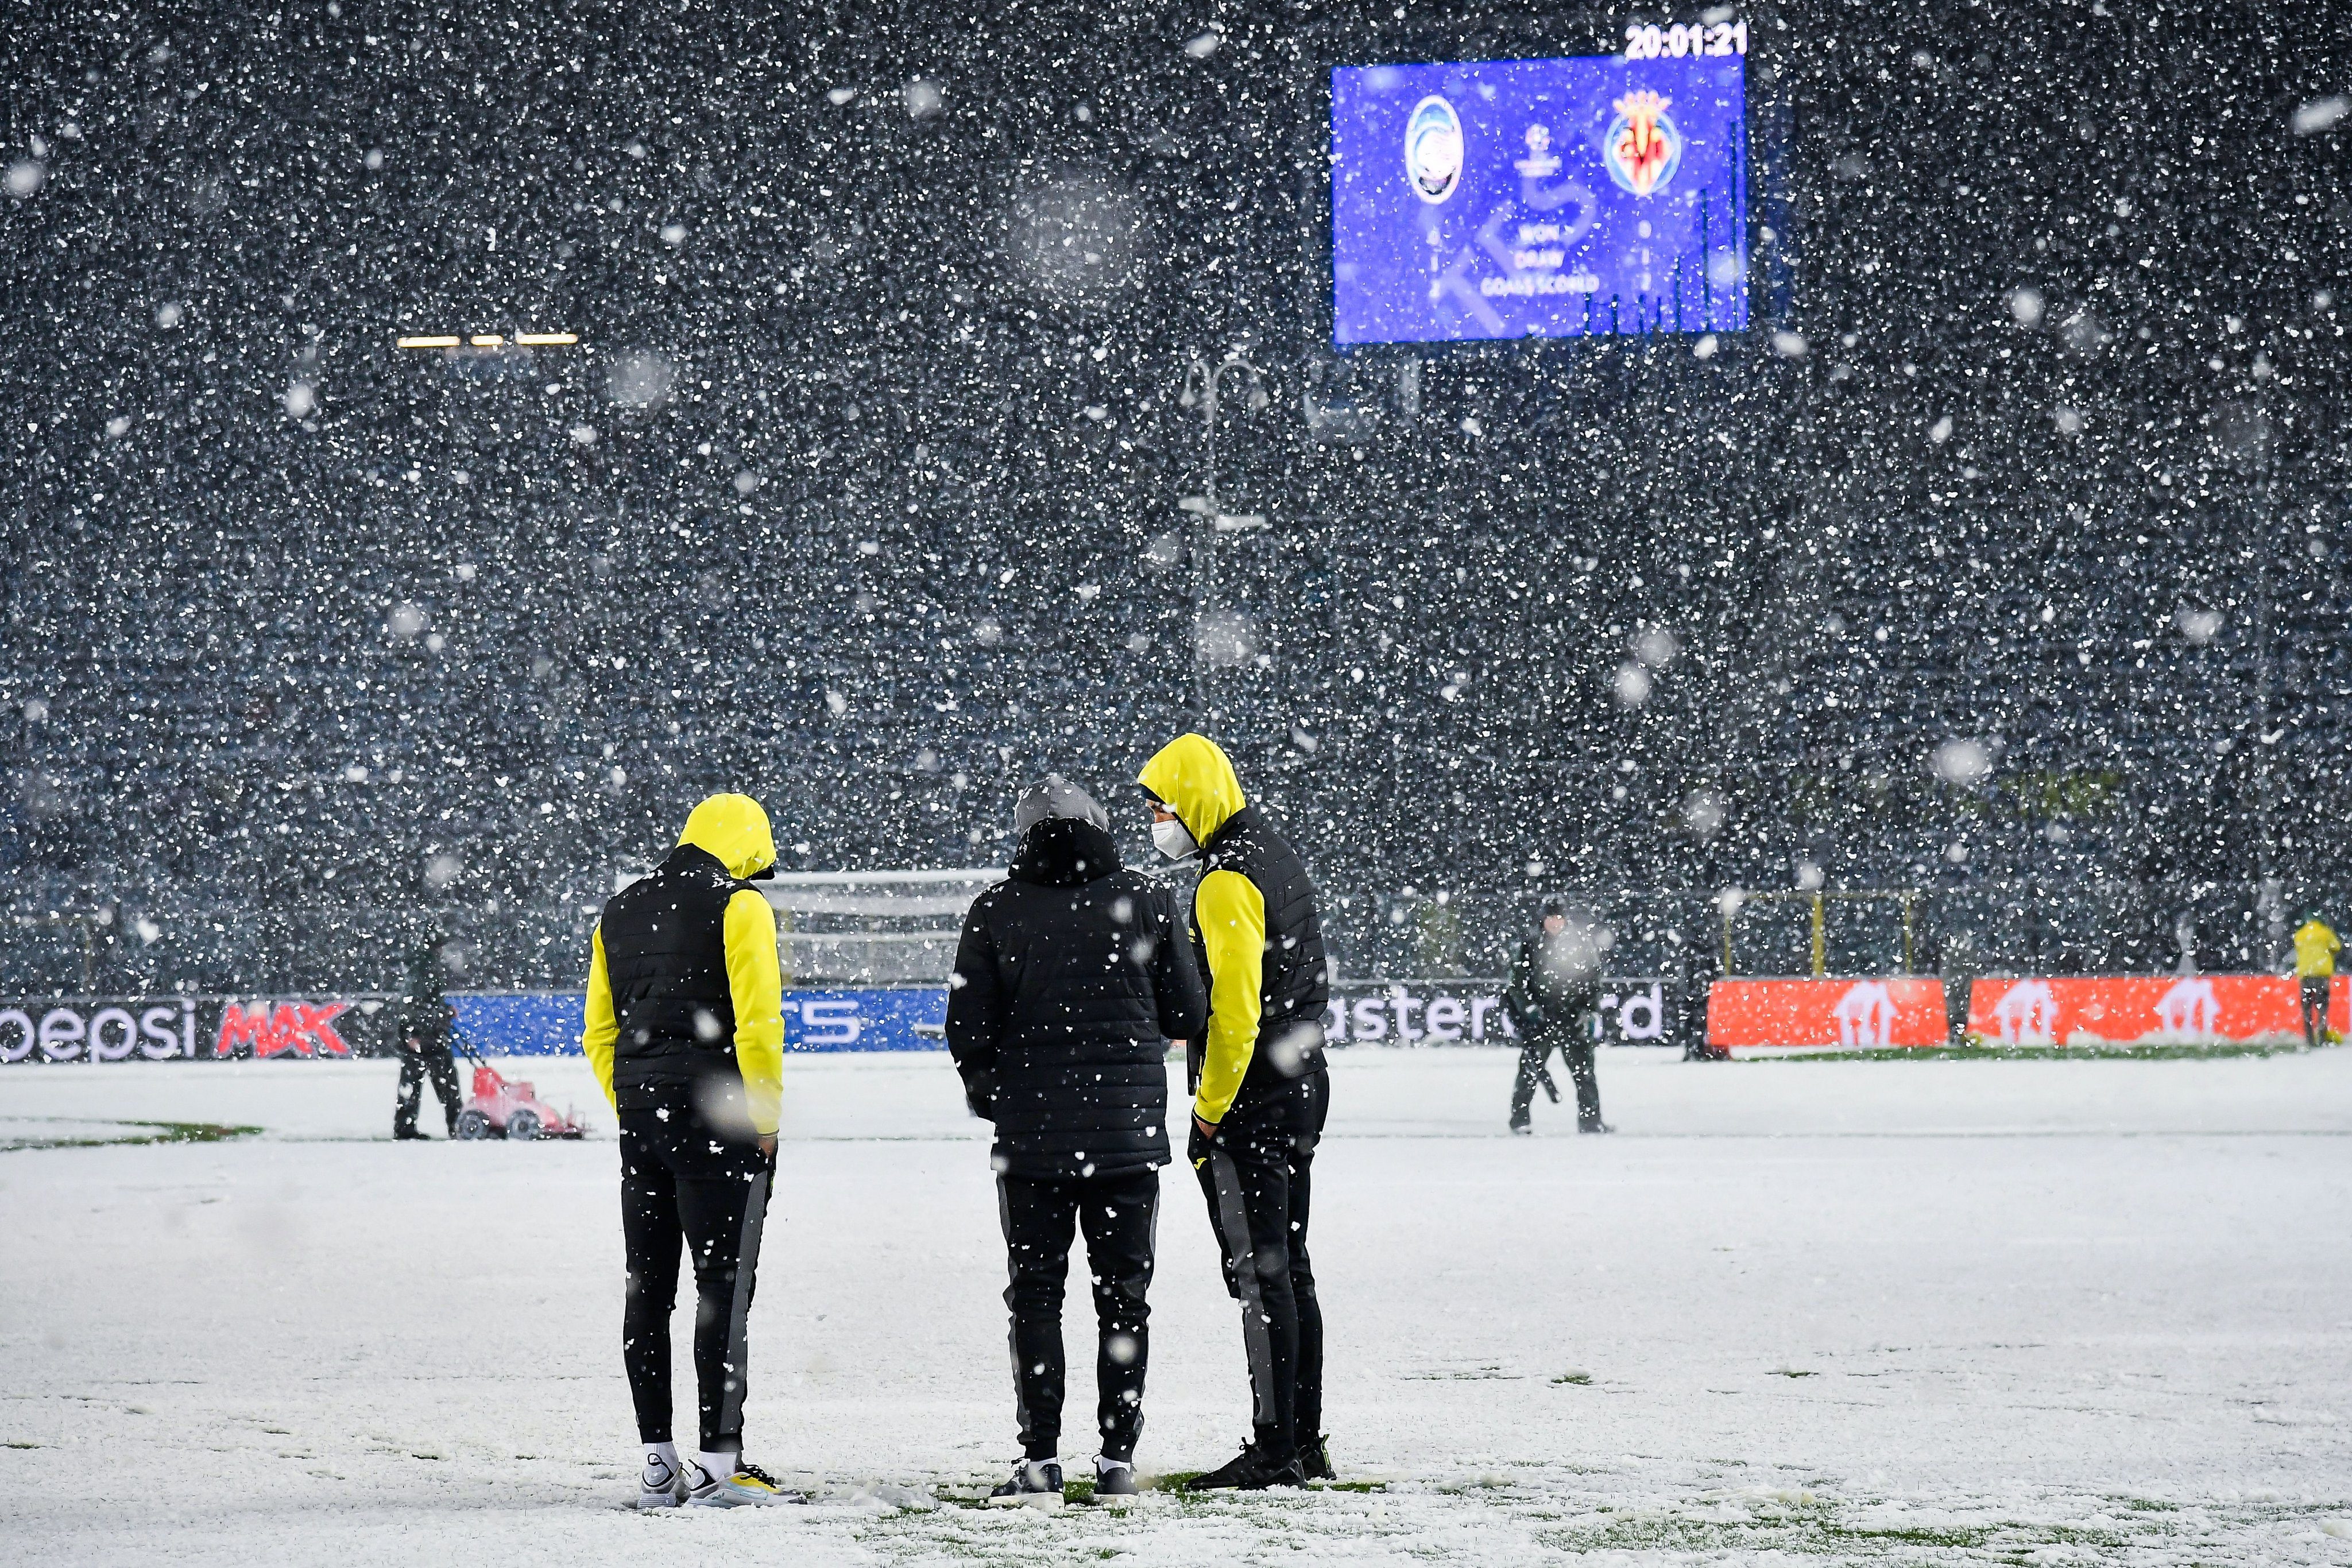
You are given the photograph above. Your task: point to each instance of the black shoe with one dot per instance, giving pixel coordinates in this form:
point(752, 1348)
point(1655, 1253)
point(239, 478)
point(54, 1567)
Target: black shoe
point(1519, 1127)
point(412, 1136)
point(1315, 1463)
point(1249, 1470)
point(1115, 1478)
point(1036, 1483)
point(1594, 1127)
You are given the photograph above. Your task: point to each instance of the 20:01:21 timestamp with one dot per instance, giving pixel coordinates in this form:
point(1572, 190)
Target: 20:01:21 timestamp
point(1644, 42)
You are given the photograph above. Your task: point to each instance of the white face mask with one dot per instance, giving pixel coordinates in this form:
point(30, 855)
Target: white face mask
point(1172, 839)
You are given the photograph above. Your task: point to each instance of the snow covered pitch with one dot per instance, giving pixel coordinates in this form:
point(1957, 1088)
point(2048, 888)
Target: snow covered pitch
point(2028, 1311)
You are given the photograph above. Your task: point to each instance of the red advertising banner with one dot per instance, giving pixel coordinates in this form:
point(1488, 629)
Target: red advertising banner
point(2148, 1009)
point(1824, 1015)
point(286, 1028)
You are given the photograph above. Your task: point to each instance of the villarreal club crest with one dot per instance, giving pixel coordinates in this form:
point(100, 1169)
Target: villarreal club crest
point(1642, 146)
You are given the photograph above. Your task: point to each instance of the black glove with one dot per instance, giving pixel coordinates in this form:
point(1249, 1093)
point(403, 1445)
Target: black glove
point(980, 1095)
point(1198, 1143)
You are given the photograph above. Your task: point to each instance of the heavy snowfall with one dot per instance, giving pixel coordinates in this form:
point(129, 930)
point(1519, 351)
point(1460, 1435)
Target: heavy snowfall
point(442, 445)
point(1998, 558)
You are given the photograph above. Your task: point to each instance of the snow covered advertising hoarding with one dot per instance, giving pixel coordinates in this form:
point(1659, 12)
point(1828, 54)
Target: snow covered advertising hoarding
point(1825, 1015)
point(880, 1019)
point(189, 1028)
point(178, 1028)
point(2148, 1009)
point(1633, 1011)
point(871, 1017)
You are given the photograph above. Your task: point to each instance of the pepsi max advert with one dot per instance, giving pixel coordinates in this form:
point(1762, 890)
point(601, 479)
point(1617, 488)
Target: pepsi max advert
point(1551, 198)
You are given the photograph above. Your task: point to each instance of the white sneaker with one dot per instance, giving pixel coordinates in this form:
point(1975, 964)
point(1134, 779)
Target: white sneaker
point(661, 1484)
point(748, 1487)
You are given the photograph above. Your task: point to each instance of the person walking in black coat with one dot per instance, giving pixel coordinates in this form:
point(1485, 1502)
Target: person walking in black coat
point(1554, 994)
point(1071, 978)
point(422, 1019)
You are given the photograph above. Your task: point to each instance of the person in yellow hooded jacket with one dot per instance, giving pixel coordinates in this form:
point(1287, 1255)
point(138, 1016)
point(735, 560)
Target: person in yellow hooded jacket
point(685, 1030)
point(1261, 1092)
point(2315, 947)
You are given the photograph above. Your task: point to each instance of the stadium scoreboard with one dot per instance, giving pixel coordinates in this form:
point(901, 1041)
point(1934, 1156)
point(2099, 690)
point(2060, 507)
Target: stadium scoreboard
point(1566, 197)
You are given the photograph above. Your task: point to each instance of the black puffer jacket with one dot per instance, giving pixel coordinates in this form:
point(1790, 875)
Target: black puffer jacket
point(423, 1013)
point(1555, 984)
point(1072, 977)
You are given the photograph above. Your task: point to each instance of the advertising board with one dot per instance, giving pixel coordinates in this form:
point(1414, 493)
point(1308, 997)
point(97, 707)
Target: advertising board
point(2148, 1009)
point(1825, 1015)
point(1633, 1011)
point(875, 1018)
point(175, 1026)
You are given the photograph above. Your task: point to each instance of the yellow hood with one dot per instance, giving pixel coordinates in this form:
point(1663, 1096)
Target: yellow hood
point(733, 828)
point(1194, 780)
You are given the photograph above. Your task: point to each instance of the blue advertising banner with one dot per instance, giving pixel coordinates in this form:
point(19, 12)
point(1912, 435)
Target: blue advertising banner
point(1549, 198)
point(547, 1023)
point(182, 1027)
point(519, 1023)
point(879, 1019)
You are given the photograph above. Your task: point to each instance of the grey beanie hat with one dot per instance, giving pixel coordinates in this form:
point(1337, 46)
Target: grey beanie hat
point(1054, 795)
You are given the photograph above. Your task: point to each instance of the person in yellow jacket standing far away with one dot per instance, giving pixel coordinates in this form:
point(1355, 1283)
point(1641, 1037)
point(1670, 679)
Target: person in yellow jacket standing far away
point(2315, 947)
point(1260, 1093)
point(685, 1030)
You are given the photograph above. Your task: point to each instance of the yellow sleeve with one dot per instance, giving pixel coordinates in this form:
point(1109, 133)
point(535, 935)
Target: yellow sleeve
point(758, 988)
point(1230, 914)
point(600, 1029)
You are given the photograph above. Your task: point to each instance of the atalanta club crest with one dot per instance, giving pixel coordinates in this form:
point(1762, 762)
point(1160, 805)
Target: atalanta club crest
point(1432, 150)
point(1643, 147)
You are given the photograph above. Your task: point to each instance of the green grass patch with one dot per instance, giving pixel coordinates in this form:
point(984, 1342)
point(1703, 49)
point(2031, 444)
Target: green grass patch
point(1579, 1379)
point(147, 1133)
point(1909, 1535)
point(1816, 1530)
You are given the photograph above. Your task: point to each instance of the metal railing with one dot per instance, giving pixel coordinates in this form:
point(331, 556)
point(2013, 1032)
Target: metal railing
point(1734, 902)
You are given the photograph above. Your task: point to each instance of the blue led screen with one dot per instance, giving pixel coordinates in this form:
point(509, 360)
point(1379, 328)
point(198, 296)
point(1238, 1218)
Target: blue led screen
point(1556, 198)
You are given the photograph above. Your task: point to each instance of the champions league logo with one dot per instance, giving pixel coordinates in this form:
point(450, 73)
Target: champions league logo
point(1541, 161)
point(1432, 150)
point(1643, 147)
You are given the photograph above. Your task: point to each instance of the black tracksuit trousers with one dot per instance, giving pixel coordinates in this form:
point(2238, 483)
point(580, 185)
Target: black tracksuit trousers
point(415, 1067)
point(1576, 1050)
point(1258, 1179)
point(682, 1183)
point(1119, 1216)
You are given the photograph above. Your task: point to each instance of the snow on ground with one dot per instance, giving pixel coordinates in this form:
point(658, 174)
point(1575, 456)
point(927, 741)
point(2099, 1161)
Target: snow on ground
point(1904, 1313)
